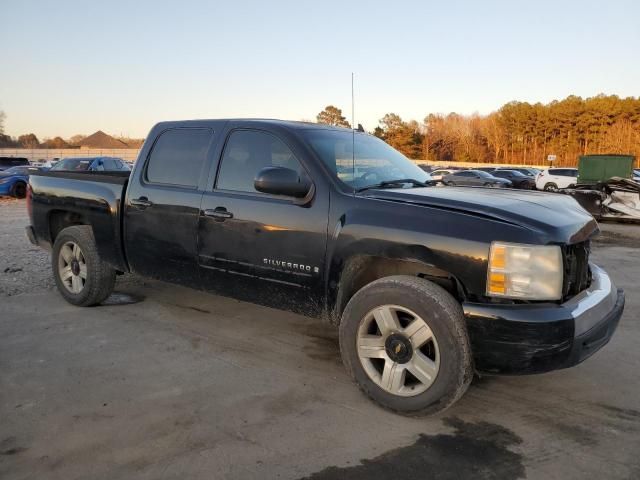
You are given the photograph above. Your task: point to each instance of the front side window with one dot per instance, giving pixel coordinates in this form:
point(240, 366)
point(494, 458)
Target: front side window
point(372, 162)
point(178, 157)
point(249, 151)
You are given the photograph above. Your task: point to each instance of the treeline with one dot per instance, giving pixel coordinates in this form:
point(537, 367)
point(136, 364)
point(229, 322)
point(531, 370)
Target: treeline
point(518, 133)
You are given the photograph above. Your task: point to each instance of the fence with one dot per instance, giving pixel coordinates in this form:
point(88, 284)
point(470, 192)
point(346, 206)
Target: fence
point(130, 155)
point(37, 154)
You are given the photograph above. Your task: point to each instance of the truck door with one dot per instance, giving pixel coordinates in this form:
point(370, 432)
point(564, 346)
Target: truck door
point(255, 246)
point(163, 203)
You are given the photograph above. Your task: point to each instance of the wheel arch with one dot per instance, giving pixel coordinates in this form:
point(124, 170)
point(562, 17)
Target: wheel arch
point(360, 270)
point(59, 219)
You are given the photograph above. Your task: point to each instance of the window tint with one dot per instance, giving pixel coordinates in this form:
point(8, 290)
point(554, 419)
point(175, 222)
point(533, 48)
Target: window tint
point(246, 153)
point(110, 164)
point(178, 156)
point(465, 174)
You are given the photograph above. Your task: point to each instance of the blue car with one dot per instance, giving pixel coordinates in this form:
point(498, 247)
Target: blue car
point(91, 164)
point(13, 181)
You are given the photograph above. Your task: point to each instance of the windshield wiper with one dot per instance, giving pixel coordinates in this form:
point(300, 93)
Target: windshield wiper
point(393, 184)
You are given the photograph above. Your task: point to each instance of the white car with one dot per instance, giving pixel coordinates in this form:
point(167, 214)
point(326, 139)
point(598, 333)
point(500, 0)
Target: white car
point(437, 175)
point(557, 178)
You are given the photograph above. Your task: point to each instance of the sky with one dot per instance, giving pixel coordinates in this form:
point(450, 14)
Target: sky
point(73, 67)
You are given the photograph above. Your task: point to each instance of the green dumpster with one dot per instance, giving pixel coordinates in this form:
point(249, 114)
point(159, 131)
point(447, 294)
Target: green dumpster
point(600, 168)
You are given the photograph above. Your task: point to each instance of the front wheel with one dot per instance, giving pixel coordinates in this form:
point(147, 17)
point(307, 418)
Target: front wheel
point(81, 276)
point(404, 341)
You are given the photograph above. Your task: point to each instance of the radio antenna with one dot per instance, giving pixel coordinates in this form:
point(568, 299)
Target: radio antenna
point(353, 135)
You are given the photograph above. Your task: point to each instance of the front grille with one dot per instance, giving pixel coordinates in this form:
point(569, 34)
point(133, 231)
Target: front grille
point(577, 275)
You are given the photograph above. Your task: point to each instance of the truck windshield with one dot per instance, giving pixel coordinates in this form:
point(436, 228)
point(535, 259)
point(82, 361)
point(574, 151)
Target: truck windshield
point(375, 162)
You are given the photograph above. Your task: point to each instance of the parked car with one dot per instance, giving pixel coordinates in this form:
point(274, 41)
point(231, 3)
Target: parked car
point(425, 285)
point(42, 163)
point(557, 178)
point(14, 180)
point(437, 175)
point(91, 164)
point(476, 178)
point(528, 171)
point(519, 180)
point(636, 174)
point(8, 162)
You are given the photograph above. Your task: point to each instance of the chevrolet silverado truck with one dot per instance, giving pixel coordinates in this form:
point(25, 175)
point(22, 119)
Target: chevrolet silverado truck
point(426, 284)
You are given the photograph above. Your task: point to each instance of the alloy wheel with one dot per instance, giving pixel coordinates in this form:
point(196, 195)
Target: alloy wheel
point(72, 267)
point(398, 350)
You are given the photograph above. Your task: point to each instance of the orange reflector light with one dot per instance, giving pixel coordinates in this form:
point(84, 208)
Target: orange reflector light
point(496, 283)
point(497, 260)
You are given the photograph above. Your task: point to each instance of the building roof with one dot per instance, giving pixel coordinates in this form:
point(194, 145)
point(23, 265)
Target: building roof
point(102, 140)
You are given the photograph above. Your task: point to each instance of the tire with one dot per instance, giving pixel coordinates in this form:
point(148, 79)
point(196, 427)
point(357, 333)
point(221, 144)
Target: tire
point(487, 184)
point(550, 187)
point(82, 278)
point(19, 190)
point(448, 350)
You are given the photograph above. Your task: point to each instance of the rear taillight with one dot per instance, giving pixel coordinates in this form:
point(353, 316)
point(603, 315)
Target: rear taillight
point(29, 206)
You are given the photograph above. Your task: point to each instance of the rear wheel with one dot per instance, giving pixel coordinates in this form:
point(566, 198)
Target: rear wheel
point(550, 187)
point(404, 341)
point(20, 190)
point(82, 278)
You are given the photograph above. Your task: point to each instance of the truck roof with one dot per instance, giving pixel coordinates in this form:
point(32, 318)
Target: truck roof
point(292, 124)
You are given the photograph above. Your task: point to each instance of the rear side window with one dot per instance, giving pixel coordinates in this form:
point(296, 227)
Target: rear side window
point(178, 157)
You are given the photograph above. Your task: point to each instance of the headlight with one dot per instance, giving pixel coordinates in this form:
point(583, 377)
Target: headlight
point(527, 272)
point(5, 180)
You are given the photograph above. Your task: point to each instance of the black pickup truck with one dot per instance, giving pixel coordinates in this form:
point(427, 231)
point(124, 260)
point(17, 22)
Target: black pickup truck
point(426, 284)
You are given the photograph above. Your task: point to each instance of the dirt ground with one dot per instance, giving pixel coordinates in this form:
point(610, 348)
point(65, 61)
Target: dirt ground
point(172, 383)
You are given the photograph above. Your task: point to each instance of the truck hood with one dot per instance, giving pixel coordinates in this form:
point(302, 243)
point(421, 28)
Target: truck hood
point(556, 217)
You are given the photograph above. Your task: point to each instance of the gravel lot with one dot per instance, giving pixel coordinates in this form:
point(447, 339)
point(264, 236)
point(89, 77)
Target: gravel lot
point(183, 384)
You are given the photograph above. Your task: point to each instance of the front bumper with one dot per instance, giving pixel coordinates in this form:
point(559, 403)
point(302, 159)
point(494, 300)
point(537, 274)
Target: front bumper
point(535, 338)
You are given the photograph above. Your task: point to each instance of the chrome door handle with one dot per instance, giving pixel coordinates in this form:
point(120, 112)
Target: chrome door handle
point(219, 213)
point(142, 202)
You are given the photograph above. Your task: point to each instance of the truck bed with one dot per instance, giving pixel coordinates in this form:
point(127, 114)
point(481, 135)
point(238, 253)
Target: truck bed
point(91, 198)
point(119, 178)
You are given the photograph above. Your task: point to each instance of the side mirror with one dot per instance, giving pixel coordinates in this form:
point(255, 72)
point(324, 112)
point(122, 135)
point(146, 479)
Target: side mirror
point(282, 181)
